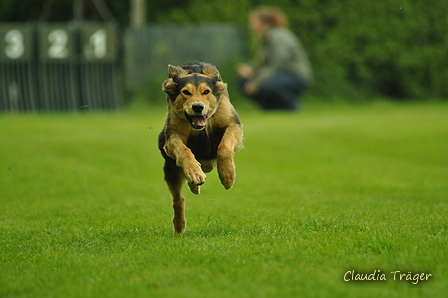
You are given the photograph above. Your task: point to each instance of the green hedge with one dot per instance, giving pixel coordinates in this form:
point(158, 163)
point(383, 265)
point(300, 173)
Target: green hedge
point(358, 48)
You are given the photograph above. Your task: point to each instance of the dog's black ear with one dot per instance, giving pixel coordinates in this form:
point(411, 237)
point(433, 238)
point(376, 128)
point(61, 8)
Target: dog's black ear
point(174, 72)
point(211, 72)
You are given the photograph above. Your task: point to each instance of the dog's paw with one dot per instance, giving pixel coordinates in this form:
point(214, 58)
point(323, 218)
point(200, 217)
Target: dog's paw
point(194, 175)
point(226, 172)
point(196, 189)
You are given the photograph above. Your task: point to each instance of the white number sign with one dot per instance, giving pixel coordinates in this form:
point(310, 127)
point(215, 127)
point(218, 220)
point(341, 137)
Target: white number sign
point(58, 40)
point(98, 42)
point(15, 46)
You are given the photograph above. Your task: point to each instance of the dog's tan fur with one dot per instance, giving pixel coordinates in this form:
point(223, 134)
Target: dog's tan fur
point(214, 144)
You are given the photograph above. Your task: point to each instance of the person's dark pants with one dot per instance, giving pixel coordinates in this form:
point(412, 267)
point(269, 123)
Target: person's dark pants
point(278, 92)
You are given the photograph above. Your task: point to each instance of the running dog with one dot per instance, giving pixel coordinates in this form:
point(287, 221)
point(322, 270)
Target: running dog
point(202, 131)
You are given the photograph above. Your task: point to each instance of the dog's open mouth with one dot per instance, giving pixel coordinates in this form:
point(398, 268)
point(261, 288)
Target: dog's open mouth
point(198, 122)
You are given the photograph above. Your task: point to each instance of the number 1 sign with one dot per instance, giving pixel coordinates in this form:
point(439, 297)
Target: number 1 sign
point(98, 42)
point(15, 42)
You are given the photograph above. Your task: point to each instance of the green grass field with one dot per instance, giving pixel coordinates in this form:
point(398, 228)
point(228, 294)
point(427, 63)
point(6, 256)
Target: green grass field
point(84, 210)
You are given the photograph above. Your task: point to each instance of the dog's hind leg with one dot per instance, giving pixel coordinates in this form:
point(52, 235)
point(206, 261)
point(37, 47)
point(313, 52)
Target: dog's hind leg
point(179, 220)
point(175, 178)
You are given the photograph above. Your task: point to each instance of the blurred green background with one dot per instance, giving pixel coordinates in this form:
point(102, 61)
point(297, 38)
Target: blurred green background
point(359, 49)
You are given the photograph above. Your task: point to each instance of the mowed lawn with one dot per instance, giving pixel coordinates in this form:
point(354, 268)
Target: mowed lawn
point(321, 197)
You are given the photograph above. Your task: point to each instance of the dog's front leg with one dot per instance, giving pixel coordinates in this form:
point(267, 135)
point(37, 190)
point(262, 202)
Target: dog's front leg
point(175, 148)
point(231, 141)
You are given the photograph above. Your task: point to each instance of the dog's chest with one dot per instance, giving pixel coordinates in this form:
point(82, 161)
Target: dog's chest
point(203, 146)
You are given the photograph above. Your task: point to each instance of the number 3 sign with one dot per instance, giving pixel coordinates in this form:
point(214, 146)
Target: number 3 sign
point(15, 42)
point(15, 45)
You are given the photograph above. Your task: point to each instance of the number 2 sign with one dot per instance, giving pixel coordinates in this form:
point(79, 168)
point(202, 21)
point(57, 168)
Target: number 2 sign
point(58, 44)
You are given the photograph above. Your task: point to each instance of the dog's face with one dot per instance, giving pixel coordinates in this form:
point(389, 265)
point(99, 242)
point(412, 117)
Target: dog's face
point(194, 97)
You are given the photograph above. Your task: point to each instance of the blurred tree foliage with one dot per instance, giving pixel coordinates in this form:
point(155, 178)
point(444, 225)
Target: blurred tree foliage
point(358, 48)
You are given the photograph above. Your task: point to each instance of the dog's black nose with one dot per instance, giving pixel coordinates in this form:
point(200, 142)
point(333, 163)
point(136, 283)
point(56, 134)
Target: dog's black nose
point(197, 107)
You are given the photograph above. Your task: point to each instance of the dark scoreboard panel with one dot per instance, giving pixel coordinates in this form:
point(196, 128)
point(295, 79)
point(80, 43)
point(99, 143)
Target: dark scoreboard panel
point(59, 67)
point(18, 87)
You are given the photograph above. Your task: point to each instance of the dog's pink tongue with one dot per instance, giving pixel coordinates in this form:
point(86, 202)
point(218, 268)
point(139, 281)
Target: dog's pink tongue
point(199, 120)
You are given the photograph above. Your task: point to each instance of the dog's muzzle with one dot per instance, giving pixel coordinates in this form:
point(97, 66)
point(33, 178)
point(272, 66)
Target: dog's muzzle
point(197, 120)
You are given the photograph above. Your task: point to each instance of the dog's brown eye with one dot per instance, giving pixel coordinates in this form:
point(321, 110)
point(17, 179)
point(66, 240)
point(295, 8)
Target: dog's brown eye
point(186, 92)
point(206, 92)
